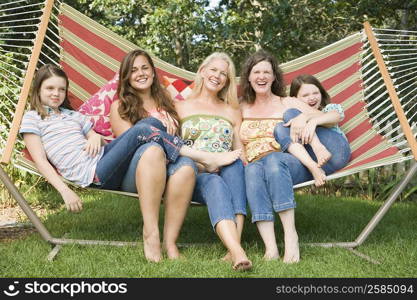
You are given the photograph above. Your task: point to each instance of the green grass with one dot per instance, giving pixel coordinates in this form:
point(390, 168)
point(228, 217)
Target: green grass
point(318, 218)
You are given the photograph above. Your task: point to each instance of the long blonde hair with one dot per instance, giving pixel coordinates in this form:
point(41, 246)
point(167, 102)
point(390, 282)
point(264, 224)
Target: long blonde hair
point(229, 92)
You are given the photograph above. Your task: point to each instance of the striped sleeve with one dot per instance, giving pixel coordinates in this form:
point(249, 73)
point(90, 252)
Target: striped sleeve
point(30, 123)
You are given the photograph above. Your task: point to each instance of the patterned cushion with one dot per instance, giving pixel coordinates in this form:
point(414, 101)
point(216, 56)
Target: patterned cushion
point(98, 106)
point(178, 88)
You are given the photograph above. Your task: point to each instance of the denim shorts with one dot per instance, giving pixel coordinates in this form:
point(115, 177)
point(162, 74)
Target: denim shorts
point(129, 182)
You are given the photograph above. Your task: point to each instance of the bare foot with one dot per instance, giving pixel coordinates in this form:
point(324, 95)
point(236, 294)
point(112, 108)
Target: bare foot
point(292, 250)
point(321, 152)
point(172, 251)
point(227, 257)
point(318, 174)
point(240, 261)
point(271, 255)
point(152, 247)
point(243, 265)
point(214, 160)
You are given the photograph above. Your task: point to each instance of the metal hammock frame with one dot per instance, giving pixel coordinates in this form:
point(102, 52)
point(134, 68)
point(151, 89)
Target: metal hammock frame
point(369, 73)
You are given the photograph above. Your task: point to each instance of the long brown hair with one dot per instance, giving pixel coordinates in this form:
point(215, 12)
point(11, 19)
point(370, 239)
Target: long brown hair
point(45, 72)
point(278, 86)
point(298, 81)
point(131, 104)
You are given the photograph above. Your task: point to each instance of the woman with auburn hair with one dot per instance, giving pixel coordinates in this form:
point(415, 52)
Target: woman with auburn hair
point(271, 173)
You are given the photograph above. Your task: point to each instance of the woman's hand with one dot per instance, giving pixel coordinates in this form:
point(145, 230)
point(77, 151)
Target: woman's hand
point(308, 132)
point(72, 201)
point(170, 123)
point(93, 144)
point(297, 126)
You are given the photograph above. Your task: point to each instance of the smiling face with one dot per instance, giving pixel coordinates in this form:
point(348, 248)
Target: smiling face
point(141, 75)
point(215, 75)
point(261, 77)
point(52, 92)
point(310, 94)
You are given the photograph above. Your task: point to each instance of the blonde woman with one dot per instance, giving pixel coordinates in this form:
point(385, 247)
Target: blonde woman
point(210, 120)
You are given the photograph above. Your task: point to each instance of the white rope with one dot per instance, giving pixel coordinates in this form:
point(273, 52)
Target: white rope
point(393, 61)
point(21, 40)
point(395, 30)
point(8, 79)
point(19, 7)
point(53, 41)
point(13, 59)
point(22, 20)
point(400, 43)
point(403, 76)
point(17, 46)
point(14, 32)
point(400, 71)
point(15, 53)
point(19, 26)
point(387, 34)
point(367, 87)
point(21, 13)
point(403, 65)
point(12, 66)
point(14, 2)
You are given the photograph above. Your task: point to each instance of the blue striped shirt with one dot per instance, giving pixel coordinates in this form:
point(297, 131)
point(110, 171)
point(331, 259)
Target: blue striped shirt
point(63, 136)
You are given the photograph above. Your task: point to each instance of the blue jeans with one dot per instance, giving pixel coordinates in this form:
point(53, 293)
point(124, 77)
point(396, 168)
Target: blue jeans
point(223, 193)
point(112, 167)
point(129, 180)
point(334, 142)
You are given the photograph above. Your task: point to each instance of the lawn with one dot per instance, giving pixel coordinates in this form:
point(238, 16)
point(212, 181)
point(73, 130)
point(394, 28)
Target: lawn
point(319, 219)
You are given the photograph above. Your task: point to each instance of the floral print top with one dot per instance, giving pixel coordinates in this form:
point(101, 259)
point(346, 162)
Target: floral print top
point(257, 135)
point(207, 133)
point(339, 109)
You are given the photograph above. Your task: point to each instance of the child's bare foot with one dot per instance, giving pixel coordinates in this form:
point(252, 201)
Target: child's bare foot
point(172, 251)
point(214, 160)
point(292, 250)
point(152, 247)
point(318, 174)
point(321, 152)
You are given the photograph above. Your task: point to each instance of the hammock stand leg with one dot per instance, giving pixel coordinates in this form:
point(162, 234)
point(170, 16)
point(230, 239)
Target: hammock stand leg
point(375, 219)
point(43, 231)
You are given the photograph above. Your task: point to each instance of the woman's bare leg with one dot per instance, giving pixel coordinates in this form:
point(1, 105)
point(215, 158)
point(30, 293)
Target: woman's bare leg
point(292, 251)
point(150, 183)
point(240, 220)
point(267, 231)
point(228, 233)
point(178, 195)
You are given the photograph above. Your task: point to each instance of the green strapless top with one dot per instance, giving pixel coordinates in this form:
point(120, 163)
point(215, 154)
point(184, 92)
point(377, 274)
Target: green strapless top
point(207, 133)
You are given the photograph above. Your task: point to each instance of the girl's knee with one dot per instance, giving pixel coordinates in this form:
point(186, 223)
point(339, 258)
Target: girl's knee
point(290, 114)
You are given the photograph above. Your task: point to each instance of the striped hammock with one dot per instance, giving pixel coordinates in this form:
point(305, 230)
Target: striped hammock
point(372, 74)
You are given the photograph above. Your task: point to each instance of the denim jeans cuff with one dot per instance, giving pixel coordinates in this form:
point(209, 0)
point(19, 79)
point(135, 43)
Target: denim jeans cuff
point(262, 217)
point(240, 212)
point(285, 206)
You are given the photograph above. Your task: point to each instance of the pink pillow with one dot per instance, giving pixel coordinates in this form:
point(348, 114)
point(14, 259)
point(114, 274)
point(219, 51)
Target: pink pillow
point(98, 107)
